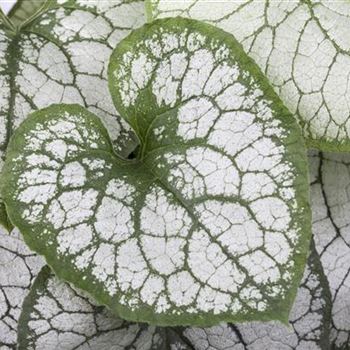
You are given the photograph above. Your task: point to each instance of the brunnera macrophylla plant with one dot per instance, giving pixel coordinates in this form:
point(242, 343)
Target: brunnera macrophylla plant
point(303, 47)
point(60, 55)
point(57, 316)
point(209, 222)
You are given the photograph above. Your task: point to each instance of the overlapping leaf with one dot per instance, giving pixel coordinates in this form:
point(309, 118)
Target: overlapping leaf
point(302, 46)
point(331, 228)
point(210, 222)
point(55, 316)
point(62, 56)
point(18, 267)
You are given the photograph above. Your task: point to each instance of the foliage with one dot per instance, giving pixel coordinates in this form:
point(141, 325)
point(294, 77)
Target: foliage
point(171, 186)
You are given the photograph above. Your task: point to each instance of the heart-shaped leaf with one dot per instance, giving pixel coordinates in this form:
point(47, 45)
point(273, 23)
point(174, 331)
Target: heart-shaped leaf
point(302, 46)
point(331, 227)
point(61, 56)
point(209, 222)
point(18, 268)
point(56, 316)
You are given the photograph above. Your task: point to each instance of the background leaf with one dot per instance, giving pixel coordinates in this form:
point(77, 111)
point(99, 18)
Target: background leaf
point(18, 267)
point(209, 223)
point(303, 48)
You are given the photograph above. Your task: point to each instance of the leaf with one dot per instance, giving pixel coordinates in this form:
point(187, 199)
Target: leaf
point(56, 316)
point(331, 228)
point(303, 48)
point(61, 56)
point(209, 222)
point(18, 267)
